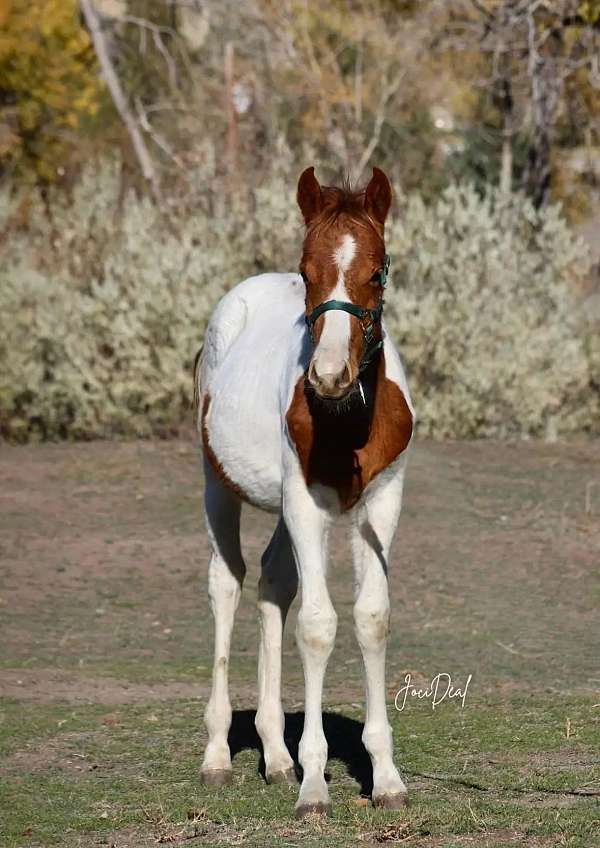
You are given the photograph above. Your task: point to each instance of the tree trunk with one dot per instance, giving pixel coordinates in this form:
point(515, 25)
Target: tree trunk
point(545, 85)
point(506, 168)
point(232, 127)
point(538, 174)
point(506, 164)
point(118, 96)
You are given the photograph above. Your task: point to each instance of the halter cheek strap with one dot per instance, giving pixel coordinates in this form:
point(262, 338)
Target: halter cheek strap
point(374, 316)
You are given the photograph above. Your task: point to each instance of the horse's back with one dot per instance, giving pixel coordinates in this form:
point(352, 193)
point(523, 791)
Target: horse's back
point(252, 357)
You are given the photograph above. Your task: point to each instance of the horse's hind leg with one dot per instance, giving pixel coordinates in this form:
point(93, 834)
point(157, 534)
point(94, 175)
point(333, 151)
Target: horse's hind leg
point(276, 590)
point(225, 577)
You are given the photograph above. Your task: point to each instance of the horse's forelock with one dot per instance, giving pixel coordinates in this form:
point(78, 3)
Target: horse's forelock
point(338, 201)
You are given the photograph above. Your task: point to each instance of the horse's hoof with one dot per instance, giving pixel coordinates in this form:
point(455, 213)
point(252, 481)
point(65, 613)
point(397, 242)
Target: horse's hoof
point(216, 777)
point(319, 809)
point(391, 802)
point(287, 777)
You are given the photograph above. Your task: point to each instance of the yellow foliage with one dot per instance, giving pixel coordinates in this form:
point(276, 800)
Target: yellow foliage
point(590, 11)
point(49, 80)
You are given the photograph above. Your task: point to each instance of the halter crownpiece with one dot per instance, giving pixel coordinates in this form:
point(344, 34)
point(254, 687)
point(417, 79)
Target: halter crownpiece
point(359, 312)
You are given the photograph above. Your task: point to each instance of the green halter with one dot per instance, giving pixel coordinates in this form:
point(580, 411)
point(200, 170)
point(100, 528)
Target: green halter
point(374, 316)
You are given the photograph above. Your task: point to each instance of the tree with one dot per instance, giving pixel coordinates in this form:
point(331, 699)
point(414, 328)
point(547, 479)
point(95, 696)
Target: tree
point(526, 53)
point(349, 77)
point(49, 85)
point(119, 98)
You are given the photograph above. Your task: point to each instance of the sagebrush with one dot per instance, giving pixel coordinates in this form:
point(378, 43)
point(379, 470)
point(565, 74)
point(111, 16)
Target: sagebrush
point(104, 301)
point(486, 309)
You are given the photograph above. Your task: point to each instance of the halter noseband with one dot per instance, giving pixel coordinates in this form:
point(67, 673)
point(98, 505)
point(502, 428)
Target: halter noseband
point(374, 316)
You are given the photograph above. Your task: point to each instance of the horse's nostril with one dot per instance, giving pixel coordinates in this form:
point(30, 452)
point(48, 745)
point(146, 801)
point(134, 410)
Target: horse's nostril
point(329, 383)
point(345, 377)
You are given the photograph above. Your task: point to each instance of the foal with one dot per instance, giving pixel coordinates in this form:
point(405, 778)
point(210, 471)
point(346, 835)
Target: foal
point(304, 411)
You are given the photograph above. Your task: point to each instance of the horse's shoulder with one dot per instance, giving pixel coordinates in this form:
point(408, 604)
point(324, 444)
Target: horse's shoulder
point(256, 308)
point(392, 429)
point(269, 289)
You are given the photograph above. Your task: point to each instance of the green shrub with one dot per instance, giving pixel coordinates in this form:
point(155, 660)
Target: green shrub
point(484, 306)
point(101, 313)
point(103, 305)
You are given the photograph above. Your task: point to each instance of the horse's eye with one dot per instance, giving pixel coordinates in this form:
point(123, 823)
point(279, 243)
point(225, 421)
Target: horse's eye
point(376, 279)
point(304, 277)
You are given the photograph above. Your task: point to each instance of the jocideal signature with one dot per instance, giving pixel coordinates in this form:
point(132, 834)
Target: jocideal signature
point(438, 690)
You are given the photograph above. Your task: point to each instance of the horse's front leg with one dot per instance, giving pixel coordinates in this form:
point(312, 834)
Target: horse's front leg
point(374, 525)
point(308, 526)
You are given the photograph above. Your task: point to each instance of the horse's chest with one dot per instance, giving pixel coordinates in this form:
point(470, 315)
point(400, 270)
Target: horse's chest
point(345, 452)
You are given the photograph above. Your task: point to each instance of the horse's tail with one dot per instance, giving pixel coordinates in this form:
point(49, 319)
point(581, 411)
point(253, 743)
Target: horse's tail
point(196, 394)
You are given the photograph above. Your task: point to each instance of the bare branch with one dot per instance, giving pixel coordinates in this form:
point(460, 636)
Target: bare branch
point(157, 31)
point(388, 92)
point(156, 137)
point(118, 96)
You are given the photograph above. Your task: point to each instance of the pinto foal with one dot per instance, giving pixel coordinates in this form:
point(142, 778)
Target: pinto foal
point(304, 411)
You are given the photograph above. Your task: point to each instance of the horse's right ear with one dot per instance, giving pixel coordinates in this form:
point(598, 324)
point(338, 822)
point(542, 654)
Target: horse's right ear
point(309, 197)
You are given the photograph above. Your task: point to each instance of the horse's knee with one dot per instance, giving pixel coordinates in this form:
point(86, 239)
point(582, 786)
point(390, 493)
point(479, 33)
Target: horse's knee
point(315, 630)
point(372, 625)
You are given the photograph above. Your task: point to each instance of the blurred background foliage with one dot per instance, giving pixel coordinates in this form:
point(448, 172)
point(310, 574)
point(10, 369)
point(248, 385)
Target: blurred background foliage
point(429, 90)
point(197, 109)
point(49, 87)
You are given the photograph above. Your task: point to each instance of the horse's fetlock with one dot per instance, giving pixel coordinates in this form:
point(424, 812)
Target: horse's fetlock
point(377, 739)
point(217, 717)
point(266, 722)
point(312, 753)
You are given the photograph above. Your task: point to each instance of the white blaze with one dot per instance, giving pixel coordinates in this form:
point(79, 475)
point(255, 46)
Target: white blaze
point(333, 349)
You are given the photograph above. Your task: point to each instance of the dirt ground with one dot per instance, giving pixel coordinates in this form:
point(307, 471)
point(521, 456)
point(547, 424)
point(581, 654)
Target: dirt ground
point(103, 610)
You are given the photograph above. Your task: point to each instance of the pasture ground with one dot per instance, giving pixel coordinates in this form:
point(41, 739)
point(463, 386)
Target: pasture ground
point(107, 638)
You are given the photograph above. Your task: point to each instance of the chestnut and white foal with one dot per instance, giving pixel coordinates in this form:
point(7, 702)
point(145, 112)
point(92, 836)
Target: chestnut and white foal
point(304, 411)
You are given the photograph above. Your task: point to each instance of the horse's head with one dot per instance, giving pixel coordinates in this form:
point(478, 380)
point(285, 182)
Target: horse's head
point(344, 266)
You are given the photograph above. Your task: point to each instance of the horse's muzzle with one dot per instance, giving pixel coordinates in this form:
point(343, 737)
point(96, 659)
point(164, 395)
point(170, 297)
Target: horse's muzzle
point(329, 385)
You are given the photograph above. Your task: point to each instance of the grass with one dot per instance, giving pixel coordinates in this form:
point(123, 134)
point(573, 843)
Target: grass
point(104, 613)
point(495, 770)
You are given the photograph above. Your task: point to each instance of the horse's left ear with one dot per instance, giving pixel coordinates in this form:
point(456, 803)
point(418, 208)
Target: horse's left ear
point(378, 196)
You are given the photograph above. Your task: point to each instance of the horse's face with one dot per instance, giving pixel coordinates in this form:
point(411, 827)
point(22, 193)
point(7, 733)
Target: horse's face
point(342, 260)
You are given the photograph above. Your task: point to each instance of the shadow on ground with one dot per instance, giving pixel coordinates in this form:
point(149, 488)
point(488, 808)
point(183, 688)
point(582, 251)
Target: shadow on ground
point(343, 739)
